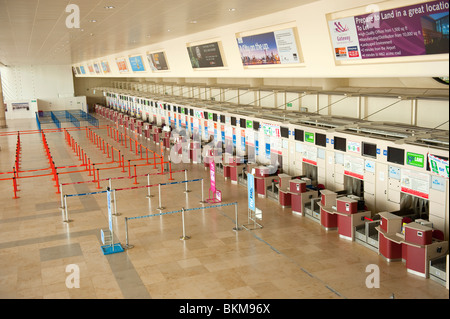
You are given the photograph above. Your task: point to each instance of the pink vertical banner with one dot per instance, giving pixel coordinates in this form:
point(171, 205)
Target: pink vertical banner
point(212, 173)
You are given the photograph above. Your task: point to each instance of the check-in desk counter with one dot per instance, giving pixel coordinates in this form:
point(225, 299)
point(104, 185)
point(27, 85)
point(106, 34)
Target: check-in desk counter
point(390, 238)
point(126, 121)
point(284, 193)
point(348, 217)
point(156, 131)
point(132, 124)
point(421, 248)
point(263, 178)
point(328, 216)
point(236, 167)
point(115, 116)
point(120, 119)
point(165, 139)
point(139, 126)
point(301, 197)
point(246, 169)
point(195, 152)
point(146, 130)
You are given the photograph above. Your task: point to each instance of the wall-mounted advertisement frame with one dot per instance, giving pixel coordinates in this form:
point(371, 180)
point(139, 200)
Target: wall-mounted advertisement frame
point(122, 65)
point(381, 34)
point(97, 68)
point(157, 61)
point(206, 55)
point(265, 47)
point(105, 67)
point(136, 63)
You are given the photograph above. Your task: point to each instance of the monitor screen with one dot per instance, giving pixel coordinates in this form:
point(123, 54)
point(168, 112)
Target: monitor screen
point(215, 117)
point(299, 135)
point(396, 155)
point(284, 131)
point(233, 121)
point(191, 112)
point(222, 118)
point(321, 140)
point(369, 149)
point(340, 144)
point(179, 109)
point(242, 123)
point(256, 125)
point(205, 114)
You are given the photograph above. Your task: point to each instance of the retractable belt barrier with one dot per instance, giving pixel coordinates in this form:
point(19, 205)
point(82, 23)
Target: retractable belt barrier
point(182, 211)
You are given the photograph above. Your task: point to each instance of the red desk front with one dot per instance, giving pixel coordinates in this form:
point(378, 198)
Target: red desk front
point(328, 218)
point(284, 198)
point(299, 200)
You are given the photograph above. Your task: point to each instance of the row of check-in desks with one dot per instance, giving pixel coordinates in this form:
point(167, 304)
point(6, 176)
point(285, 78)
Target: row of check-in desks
point(414, 242)
point(385, 233)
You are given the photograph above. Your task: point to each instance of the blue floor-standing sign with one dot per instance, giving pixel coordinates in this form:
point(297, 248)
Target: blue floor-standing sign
point(113, 247)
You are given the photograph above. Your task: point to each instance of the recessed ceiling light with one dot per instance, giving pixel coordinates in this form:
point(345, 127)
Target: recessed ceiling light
point(93, 20)
point(232, 9)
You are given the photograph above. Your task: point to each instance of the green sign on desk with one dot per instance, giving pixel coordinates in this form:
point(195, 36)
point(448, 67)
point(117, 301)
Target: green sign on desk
point(309, 137)
point(415, 159)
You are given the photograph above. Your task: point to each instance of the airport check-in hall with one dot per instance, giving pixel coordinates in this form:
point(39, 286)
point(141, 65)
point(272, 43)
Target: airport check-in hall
point(220, 150)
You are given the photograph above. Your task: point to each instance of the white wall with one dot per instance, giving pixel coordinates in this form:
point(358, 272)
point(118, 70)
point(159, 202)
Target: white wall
point(37, 81)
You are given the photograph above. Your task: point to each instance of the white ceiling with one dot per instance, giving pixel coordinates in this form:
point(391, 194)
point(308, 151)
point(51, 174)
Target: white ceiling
point(35, 32)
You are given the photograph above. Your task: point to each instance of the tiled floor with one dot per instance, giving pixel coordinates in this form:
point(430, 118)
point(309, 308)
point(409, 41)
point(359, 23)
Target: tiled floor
point(291, 257)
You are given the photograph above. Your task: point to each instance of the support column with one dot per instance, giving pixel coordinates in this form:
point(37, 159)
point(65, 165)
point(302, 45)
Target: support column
point(2, 106)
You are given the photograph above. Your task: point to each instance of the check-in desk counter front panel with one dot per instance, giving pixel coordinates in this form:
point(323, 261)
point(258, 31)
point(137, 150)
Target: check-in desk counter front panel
point(263, 176)
point(235, 167)
point(390, 243)
point(328, 216)
point(156, 134)
point(421, 248)
point(349, 217)
point(284, 194)
point(300, 195)
point(139, 126)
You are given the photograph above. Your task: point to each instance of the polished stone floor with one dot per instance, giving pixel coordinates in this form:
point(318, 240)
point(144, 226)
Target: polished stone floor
point(291, 257)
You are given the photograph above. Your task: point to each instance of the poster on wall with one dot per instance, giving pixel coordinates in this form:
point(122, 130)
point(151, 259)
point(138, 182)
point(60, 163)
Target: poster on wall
point(157, 61)
point(136, 63)
point(97, 68)
point(416, 30)
point(205, 55)
point(122, 65)
point(415, 183)
point(91, 69)
point(105, 67)
point(278, 47)
point(438, 165)
point(354, 166)
point(83, 71)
